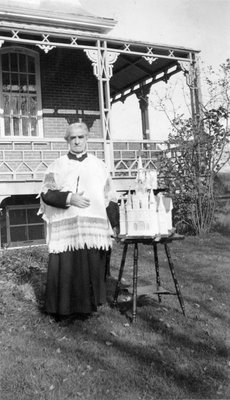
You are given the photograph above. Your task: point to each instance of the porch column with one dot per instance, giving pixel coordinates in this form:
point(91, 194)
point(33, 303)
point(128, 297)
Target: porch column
point(192, 74)
point(142, 95)
point(195, 89)
point(102, 61)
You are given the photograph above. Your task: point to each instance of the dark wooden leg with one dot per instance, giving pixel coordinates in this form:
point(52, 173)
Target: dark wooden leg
point(118, 285)
point(107, 265)
point(158, 281)
point(171, 266)
point(135, 272)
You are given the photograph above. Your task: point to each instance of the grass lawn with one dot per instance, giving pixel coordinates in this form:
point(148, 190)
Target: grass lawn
point(164, 355)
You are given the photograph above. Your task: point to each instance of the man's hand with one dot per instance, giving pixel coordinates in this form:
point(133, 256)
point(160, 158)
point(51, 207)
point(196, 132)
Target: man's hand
point(78, 200)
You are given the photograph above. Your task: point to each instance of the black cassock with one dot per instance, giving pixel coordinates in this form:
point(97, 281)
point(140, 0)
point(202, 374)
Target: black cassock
point(76, 281)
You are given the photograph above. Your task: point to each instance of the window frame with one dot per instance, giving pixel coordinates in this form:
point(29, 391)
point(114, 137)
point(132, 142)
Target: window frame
point(24, 207)
point(35, 55)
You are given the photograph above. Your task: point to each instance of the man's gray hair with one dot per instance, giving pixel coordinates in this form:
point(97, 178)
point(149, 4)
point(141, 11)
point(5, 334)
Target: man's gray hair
point(76, 125)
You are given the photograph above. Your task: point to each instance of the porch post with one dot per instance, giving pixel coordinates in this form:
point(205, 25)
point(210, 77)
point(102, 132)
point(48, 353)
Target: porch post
point(142, 95)
point(195, 94)
point(195, 89)
point(103, 61)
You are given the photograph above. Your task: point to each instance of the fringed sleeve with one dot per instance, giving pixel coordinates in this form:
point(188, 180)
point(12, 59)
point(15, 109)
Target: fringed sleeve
point(49, 182)
point(50, 194)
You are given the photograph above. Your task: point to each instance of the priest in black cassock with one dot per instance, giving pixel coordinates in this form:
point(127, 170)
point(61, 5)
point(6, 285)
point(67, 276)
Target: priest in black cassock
point(81, 213)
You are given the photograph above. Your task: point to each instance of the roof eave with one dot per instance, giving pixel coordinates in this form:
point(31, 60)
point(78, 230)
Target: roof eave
point(59, 31)
point(87, 23)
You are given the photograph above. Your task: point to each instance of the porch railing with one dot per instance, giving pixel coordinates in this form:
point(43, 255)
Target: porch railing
point(27, 160)
point(125, 156)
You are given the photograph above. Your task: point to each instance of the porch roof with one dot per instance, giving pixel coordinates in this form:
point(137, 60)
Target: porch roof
point(144, 64)
point(139, 63)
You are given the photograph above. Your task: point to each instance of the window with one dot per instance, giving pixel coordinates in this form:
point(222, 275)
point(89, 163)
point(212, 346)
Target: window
point(24, 225)
point(20, 93)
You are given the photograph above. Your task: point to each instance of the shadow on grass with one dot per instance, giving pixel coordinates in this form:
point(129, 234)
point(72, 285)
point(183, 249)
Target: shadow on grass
point(149, 357)
point(142, 367)
point(209, 349)
point(38, 282)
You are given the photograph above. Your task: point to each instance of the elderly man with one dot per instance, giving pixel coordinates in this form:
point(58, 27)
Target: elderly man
point(81, 212)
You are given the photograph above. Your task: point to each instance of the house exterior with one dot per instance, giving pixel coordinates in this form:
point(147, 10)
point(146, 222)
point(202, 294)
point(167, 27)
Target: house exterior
point(58, 67)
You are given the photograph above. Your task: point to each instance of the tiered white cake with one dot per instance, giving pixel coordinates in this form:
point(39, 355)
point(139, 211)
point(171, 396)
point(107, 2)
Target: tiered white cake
point(142, 213)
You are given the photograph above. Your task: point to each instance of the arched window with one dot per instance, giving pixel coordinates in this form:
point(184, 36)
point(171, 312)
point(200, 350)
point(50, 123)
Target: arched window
point(20, 97)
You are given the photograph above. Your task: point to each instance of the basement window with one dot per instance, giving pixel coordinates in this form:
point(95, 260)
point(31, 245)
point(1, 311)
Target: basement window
point(24, 226)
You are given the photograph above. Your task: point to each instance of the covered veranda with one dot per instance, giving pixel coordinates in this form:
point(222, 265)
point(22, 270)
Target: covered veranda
point(122, 68)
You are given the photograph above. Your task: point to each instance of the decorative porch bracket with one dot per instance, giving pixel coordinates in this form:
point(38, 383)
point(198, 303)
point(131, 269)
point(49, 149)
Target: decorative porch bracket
point(47, 45)
point(102, 62)
point(150, 56)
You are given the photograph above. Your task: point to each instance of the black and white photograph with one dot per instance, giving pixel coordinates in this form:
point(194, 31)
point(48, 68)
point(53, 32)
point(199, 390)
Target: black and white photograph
point(114, 200)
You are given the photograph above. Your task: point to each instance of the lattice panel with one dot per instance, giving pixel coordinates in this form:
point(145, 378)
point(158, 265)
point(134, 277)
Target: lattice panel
point(31, 159)
point(126, 156)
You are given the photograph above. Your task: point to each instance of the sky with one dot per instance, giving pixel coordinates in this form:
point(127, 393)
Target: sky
point(198, 24)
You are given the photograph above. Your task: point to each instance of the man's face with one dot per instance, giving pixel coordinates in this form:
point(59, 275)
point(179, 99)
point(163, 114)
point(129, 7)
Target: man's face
point(77, 140)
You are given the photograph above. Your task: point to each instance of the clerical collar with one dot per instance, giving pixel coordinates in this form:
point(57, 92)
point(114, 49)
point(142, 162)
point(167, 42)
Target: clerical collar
point(78, 157)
